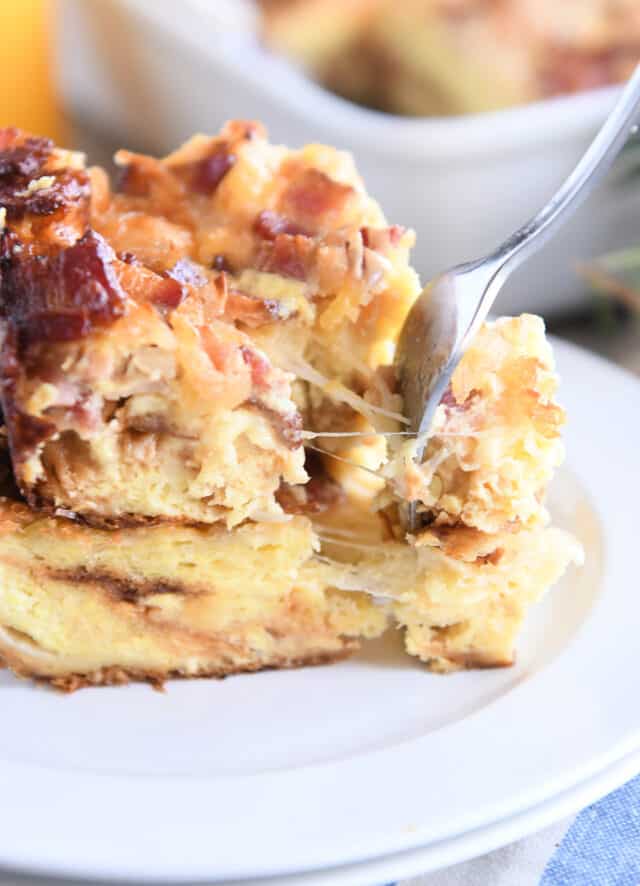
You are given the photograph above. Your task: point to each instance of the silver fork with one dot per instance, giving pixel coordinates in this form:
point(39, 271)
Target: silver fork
point(453, 306)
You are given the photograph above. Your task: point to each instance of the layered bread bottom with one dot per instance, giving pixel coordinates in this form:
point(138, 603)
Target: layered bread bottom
point(85, 606)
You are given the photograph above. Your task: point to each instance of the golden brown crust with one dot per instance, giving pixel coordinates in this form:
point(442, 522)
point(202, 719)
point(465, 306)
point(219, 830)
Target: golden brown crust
point(464, 543)
point(118, 676)
point(441, 660)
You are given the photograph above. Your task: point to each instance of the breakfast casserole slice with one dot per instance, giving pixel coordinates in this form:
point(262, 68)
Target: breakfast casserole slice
point(126, 393)
point(209, 449)
point(138, 326)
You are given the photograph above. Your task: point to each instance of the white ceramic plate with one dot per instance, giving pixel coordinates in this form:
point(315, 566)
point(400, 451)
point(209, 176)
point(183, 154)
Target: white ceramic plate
point(444, 853)
point(282, 772)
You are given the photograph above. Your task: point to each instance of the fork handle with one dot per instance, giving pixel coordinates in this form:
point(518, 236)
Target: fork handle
point(589, 172)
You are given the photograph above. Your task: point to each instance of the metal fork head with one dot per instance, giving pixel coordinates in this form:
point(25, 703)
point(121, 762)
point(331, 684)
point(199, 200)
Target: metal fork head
point(433, 339)
point(425, 348)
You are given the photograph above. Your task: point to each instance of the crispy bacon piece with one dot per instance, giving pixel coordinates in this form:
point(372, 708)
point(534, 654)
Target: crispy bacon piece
point(61, 297)
point(251, 311)
point(314, 200)
point(259, 366)
point(129, 258)
point(10, 246)
point(22, 163)
point(174, 288)
point(465, 543)
point(209, 172)
point(221, 263)
point(448, 398)
point(269, 224)
point(205, 175)
point(169, 289)
point(380, 239)
point(287, 255)
point(22, 157)
point(287, 424)
point(168, 294)
point(68, 187)
point(316, 496)
point(27, 431)
point(131, 180)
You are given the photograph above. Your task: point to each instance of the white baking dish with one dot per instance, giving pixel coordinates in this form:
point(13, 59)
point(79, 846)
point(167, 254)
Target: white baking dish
point(150, 72)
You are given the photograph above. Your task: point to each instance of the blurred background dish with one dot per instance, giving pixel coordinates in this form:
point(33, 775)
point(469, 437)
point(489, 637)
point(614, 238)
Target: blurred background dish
point(136, 73)
point(434, 57)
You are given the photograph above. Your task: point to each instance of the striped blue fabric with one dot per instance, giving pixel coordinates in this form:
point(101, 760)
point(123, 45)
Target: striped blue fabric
point(602, 846)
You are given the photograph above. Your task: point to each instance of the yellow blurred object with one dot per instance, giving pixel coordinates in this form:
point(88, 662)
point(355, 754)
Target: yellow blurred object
point(27, 96)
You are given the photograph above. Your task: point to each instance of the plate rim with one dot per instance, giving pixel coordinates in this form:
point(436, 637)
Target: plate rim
point(465, 847)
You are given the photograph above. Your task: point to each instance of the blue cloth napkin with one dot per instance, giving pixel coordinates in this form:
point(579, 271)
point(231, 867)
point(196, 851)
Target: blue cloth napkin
point(602, 845)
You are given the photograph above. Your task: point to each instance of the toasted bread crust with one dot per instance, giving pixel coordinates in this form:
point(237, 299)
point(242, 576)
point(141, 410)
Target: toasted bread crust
point(118, 676)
